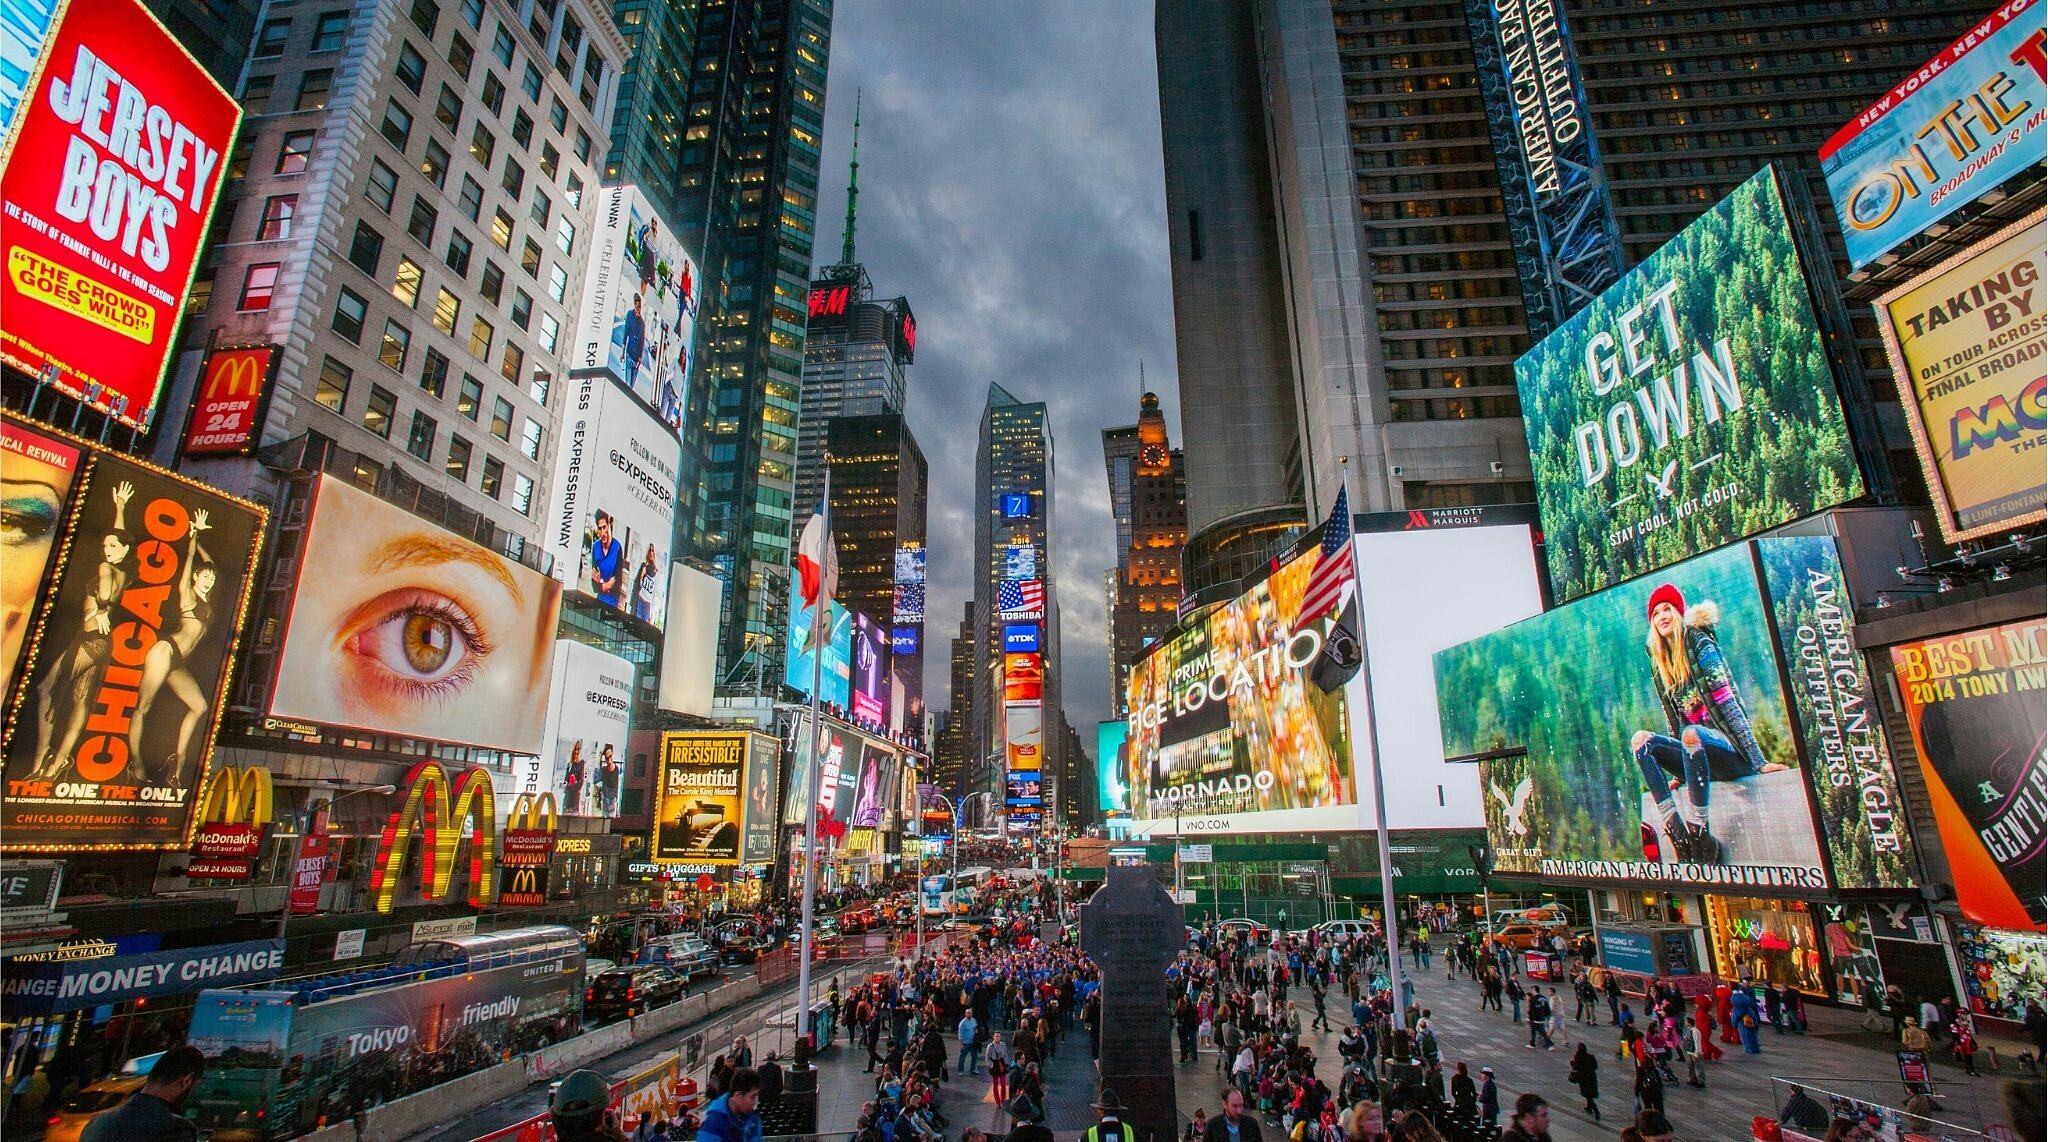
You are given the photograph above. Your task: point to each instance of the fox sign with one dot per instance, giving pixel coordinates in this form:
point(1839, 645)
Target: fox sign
point(106, 185)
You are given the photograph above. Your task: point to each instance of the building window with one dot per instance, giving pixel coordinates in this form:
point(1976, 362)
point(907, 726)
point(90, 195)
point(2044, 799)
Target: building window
point(494, 90)
point(270, 41)
point(522, 494)
point(493, 284)
point(471, 398)
point(565, 235)
point(421, 224)
point(471, 200)
point(558, 115)
point(549, 158)
point(420, 440)
point(277, 218)
point(412, 68)
point(473, 13)
point(259, 281)
point(426, 15)
point(522, 307)
point(433, 372)
point(501, 46)
point(501, 419)
point(558, 282)
point(434, 163)
point(457, 464)
point(381, 187)
point(296, 151)
point(349, 311)
point(328, 32)
point(514, 178)
point(480, 335)
point(582, 145)
point(541, 209)
point(513, 363)
point(448, 110)
point(494, 476)
point(538, 386)
point(313, 88)
point(459, 247)
point(501, 231)
point(397, 343)
point(447, 307)
point(460, 55)
point(332, 388)
point(405, 282)
point(550, 332)
point(522, 126)
point(366, 248)
point(256, 95)
point(397, 126)
point(482, 145)
point(529, 259)
point(200, 297)
point(529, 439)
point(378, 414)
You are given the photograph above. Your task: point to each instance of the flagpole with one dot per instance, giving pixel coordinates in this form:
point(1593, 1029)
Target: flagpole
point(818, 626)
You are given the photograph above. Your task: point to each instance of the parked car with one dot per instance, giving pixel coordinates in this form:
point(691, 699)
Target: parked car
point(596, 966)
point(1524, 936)
point(856, 920)
point(1238, 925)
point(630, 991)
point(1343, 929)
point(739, 943)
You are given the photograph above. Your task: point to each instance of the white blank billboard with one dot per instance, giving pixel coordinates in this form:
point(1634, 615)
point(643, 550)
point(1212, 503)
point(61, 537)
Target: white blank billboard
point(689, 644)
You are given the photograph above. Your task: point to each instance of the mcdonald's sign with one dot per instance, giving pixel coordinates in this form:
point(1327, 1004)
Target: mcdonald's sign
point(234, 812)
point(529, 833)
point(234, 391)
point(524, 887)
point(431, 816)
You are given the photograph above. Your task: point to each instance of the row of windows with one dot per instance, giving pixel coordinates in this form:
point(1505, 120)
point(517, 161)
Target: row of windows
point(380, 414)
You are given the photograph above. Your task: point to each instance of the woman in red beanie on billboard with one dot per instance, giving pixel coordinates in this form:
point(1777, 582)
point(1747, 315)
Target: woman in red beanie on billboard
point(1710, 738)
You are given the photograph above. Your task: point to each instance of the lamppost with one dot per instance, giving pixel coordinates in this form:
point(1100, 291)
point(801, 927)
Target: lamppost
point(957, 809)
point(284, 910)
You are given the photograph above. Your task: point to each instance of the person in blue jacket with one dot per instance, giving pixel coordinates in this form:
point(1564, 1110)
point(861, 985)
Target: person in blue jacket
point(1742, 1008)
point(735, 1115)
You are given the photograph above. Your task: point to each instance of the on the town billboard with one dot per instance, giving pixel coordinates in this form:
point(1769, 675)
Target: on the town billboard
point(108, 178)
point(1691, 405)
point(399, 626)
point(1958, 126)
point(639, 315)
point(1966, 340)
point(111, 725)
point(1688, 727)
point(614, 510)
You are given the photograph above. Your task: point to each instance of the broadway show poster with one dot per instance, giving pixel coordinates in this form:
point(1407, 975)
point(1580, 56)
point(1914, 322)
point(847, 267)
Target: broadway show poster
point(1975, 702)
point(699, 816)
point(141, 627)
point(764, 764)
point(1969, 336)
point(1849, 759)
point(1639, 734)
point(1225, 720)
point(869, 800)
point(1690, 405)
point(36, 474)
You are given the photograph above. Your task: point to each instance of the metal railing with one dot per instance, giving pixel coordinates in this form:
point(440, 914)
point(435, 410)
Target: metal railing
point(1957, 1115)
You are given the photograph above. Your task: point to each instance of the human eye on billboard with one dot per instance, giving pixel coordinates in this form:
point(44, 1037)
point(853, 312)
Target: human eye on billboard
point(403, 627)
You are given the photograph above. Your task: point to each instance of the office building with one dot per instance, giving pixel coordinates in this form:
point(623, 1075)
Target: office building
point(879, 505)
point(749, 166)
point(1015, 608)
point(953, 757)
point(653, 101)
point(1148, 501)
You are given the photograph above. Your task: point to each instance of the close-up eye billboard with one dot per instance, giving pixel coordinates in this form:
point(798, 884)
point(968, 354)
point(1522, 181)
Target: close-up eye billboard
point(639, 318)
point(614, 510)
point(112, 723)
point(401, 627)
point(1966, 341)
point(1690, 405)
point(1646, 733)
point(1973, 700)
point(108, 177)
point(1959, 125)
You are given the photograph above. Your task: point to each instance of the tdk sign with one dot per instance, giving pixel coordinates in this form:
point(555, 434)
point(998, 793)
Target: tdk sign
point(1020, 638)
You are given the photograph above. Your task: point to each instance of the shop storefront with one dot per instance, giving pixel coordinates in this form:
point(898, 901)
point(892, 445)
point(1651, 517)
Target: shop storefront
point(2002, 970)
point(1767, 941)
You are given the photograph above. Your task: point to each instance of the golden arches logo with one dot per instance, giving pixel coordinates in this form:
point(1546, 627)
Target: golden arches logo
point(532, 813)
point(525, 886)
point(237, 796)
point(236, 373)
point(429, 813)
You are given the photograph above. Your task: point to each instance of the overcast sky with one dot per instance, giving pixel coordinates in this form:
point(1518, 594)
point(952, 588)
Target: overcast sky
point(1011, 188)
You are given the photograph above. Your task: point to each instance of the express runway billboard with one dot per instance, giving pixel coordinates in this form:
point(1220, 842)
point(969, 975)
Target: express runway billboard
point(112, 722)
point(108, 178)
point(639, 319)
point(402, 627)
point(614, 511)
point(583, 753)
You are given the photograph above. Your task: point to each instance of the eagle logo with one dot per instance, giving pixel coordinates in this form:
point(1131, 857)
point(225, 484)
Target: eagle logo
point(1515, 805)
point(1663, 482)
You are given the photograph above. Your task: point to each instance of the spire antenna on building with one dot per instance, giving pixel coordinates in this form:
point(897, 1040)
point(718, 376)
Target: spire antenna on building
point(852, 188)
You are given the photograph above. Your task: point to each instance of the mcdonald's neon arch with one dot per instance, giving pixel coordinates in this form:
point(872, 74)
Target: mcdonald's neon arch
point(426, 812)
point(237, 796)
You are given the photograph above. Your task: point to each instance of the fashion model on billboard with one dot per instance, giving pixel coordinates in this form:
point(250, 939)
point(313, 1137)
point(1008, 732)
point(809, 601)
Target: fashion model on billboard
point(573, 781)
point(607, 562)
point(164, 664)
point(647, 587)
point(65, 693)
point(1710, 738)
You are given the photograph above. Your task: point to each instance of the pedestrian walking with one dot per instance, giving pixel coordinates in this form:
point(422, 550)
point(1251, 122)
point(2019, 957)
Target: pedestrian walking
point(1489, 1100)
point(1585, 1075)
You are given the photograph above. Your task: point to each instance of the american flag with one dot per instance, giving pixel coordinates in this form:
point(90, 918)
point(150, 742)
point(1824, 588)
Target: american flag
point(1326, 583)
point(1021, 598)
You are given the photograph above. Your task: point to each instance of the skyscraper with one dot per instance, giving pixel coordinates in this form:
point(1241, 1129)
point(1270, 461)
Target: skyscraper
point(653, 102)
point(953, 758)
point(749, 168)
point(1148, 500)
point(879, 498)
point(1016, 615)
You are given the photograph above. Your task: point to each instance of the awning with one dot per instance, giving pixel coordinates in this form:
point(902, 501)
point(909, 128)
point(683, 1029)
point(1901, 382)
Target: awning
point(48, 988)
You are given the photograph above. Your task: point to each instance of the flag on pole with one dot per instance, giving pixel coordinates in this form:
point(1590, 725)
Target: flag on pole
point(817, 561)
point(1334, 571)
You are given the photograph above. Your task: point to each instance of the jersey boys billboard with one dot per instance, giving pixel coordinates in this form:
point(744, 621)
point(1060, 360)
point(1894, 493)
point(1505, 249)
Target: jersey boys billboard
point(1692, 404)
point(110, 729)
point(1966, 121)
point(107, 181)
point(1966, 340)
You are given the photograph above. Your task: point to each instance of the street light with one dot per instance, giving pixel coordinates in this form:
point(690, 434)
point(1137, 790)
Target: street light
point(957, 809)
point(284, 910)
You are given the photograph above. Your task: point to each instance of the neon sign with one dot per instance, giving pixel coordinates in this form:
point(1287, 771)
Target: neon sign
point(426, 813)
point(830, 301)
point(233, 813)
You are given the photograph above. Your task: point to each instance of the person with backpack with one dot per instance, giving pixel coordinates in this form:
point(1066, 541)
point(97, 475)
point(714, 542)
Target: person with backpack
point(1539, 1020)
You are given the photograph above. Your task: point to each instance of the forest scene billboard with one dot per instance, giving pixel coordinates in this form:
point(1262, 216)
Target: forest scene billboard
point(1691, 405)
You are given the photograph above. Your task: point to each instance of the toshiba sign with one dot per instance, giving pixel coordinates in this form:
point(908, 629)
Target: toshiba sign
point(105, 189)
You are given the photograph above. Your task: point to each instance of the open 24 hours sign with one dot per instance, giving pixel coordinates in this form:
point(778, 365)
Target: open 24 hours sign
point(106, 184)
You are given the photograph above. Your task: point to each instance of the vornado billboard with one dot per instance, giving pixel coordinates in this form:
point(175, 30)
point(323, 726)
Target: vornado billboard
point(1225, 720)
point(1691, 405)
point(613, 514)
point(110, 725)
